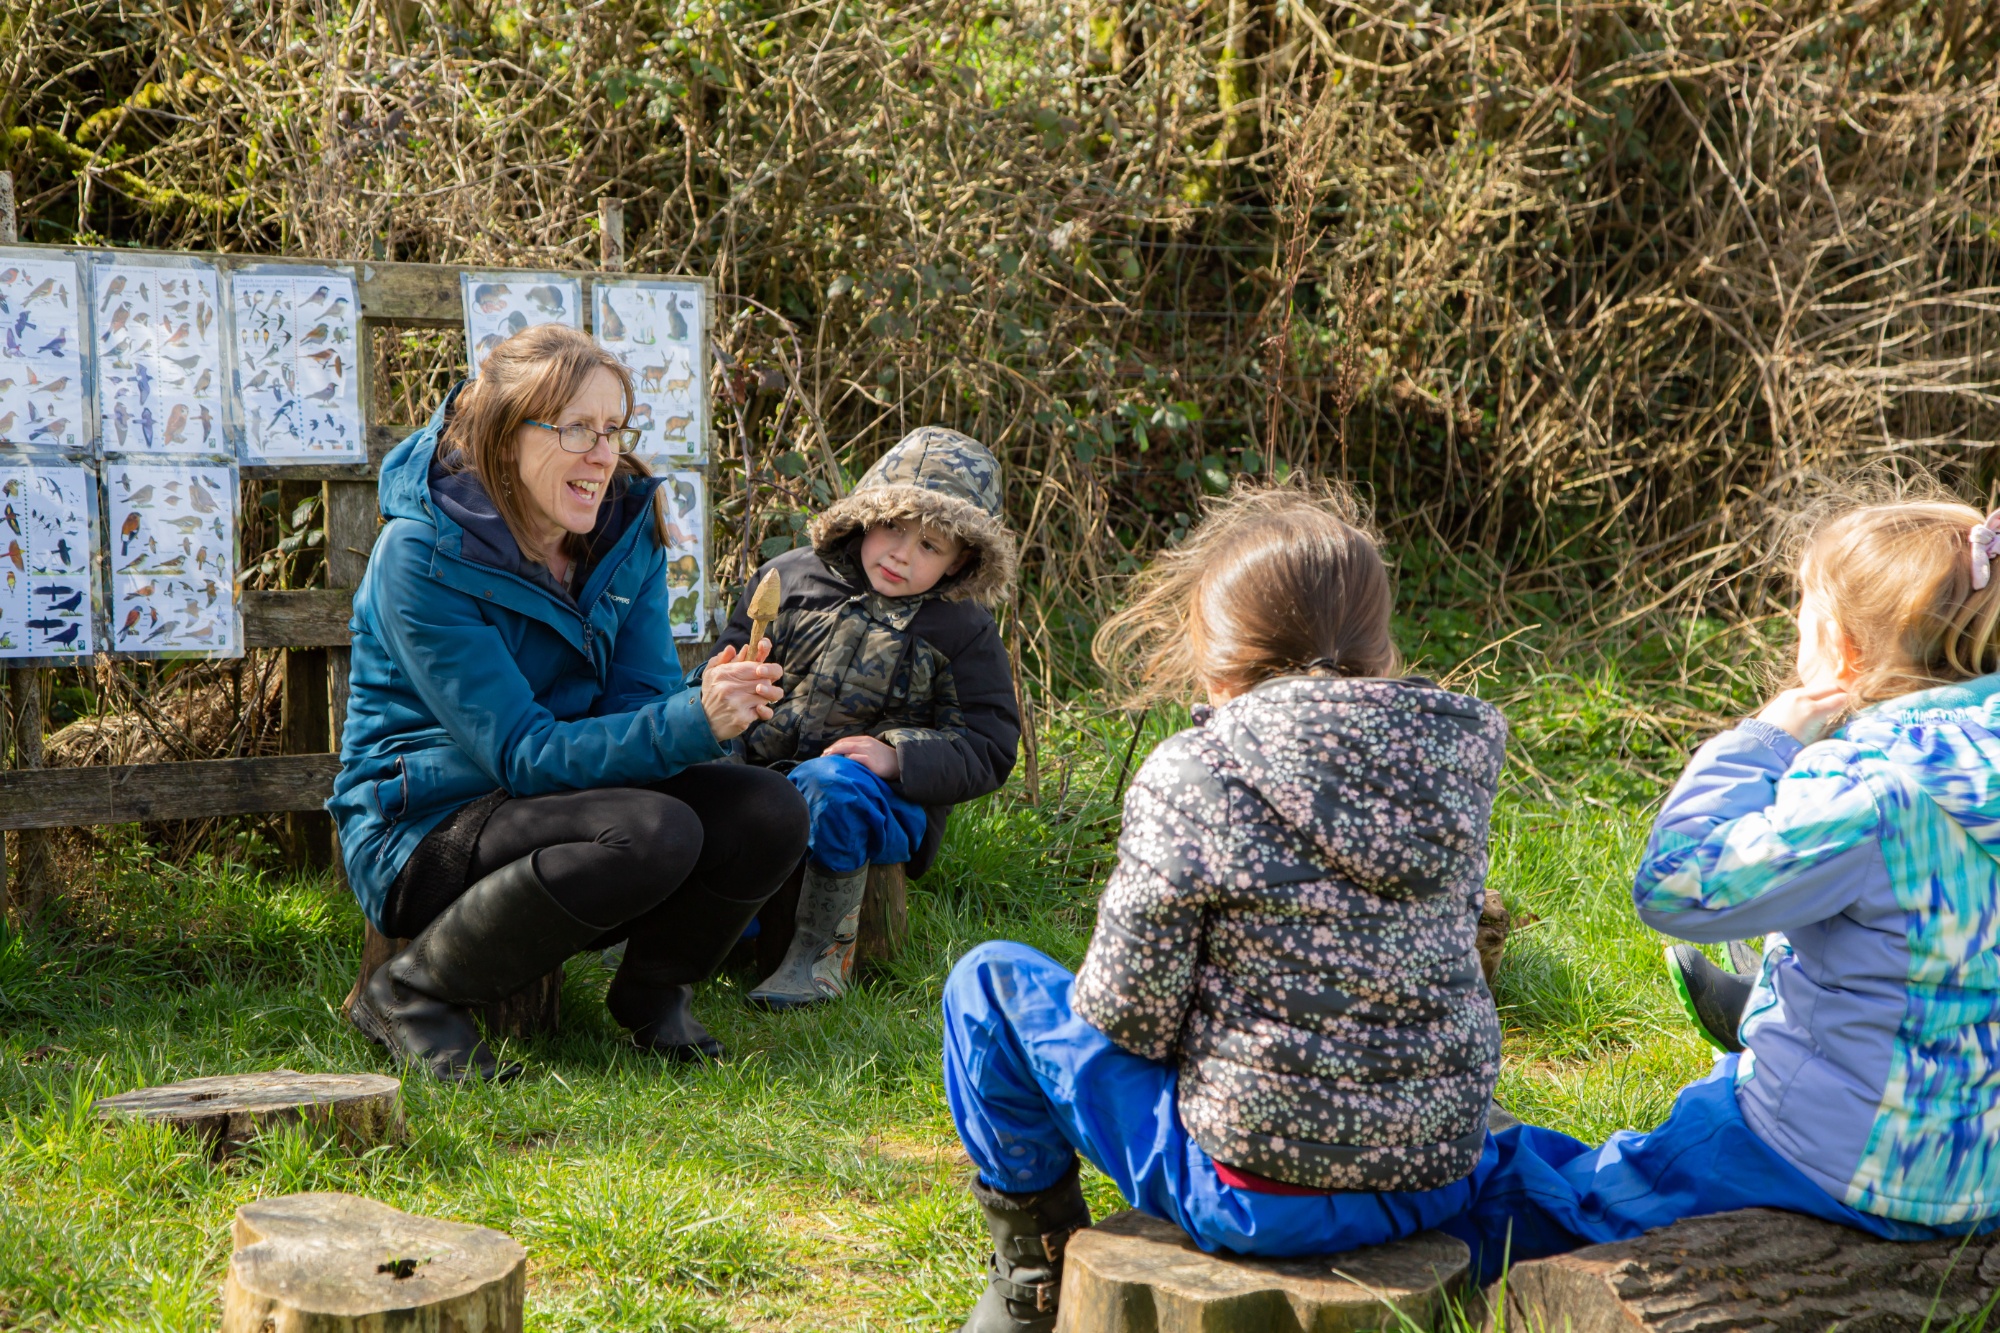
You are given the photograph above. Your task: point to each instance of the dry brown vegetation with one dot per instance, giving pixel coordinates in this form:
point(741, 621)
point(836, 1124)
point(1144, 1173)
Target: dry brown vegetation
point(1580, 292)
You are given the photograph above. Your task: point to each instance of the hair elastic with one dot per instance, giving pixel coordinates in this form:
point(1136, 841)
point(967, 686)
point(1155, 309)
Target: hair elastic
point(1985, 537)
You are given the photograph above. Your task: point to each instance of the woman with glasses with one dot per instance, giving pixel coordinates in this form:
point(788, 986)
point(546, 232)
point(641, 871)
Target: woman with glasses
point(523, 773)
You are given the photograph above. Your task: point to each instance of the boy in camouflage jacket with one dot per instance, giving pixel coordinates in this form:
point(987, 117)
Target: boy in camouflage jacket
point(899, 699)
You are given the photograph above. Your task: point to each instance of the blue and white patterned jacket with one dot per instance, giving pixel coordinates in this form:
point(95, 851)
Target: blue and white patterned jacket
point(1871, 863)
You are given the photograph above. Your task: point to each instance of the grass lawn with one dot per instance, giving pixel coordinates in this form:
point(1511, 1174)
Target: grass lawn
point(814, 1183)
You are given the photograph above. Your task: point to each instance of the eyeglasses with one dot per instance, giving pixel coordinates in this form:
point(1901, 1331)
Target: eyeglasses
point(578, 438)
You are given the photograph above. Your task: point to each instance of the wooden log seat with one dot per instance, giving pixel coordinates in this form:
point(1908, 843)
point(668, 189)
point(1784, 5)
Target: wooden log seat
point(338, 1263)
point(229, 1110)
point(1760, 1269)
point(1136, 1274)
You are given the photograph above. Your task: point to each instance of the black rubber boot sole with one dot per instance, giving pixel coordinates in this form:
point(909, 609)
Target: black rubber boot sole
point(1714, 999)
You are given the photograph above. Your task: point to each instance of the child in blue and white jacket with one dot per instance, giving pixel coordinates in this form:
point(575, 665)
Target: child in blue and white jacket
point(1868, 1089)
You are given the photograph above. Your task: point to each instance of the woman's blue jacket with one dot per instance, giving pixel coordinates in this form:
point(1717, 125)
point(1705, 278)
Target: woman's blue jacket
point(473, 673)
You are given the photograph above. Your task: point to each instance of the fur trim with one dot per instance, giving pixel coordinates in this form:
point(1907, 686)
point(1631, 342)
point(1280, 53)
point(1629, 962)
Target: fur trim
point(986, 580)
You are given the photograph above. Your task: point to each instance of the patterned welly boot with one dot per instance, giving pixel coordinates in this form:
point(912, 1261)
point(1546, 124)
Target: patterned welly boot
point(819, 966)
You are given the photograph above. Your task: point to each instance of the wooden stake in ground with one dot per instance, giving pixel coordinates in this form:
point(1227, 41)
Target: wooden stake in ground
point(229, 1111)
point(337, 1263)
point(764, 604)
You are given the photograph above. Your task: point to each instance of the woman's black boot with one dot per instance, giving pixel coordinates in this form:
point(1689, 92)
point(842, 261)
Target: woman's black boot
point(1030, 1233)
point(670, 948)
point(495, 938)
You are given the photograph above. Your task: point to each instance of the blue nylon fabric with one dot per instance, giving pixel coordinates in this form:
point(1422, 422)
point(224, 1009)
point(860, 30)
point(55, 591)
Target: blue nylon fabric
point(1031, 1085)
point(857, 818)
point(468, 678)
point(1543, 1192)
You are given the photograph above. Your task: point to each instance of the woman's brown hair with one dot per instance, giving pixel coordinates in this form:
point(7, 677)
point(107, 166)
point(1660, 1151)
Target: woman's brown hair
point(534, 374)
point(1274, 580)
point(1896, 579)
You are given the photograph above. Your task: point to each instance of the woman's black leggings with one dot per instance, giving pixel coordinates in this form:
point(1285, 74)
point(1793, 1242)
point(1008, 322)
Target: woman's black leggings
point(616, 857)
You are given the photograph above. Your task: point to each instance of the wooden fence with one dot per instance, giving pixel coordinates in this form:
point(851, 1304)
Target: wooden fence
point(309, 624)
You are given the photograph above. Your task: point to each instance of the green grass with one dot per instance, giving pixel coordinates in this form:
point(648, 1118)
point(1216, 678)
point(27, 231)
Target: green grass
point(814, 1183)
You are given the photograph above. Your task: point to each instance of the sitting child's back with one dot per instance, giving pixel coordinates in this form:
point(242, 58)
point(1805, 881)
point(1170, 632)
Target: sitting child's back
point(1292, 918)
point(1871, 860)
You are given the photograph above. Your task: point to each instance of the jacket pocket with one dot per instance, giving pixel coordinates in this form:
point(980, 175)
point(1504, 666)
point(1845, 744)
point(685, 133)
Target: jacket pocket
point(392, 795)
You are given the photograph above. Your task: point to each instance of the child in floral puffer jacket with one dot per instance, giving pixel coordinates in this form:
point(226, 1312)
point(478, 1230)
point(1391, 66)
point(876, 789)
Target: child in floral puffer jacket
point(1281, 1039)
point(1868, 855)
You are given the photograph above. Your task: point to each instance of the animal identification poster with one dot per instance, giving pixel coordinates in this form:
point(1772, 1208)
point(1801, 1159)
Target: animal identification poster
point(657, 329)
point(48, 590)
point(173, 557)
point(41, 352)
point(687, 553)
point(298, 389)
point(500, 305)
point(160, 378)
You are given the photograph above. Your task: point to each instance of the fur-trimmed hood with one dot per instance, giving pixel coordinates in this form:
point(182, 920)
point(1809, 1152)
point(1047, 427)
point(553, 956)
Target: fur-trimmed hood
point(946, 480)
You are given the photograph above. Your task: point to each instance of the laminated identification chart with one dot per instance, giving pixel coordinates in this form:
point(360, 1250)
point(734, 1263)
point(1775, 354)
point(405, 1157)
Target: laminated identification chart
point(172, 546)
point(160, 380)
point(656, 330)
point(48, 600)
point(687, 553)
point(41, 352)
point(500, 305)
point(299, 391)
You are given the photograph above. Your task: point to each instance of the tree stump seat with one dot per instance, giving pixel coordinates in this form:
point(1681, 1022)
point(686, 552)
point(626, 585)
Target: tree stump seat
point(1137, 1274)
point(231, 1109)
point(339, 1263)
point(1761, 1269)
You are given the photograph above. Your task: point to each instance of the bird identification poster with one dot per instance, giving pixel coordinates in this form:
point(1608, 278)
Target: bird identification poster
point(687, 553)
point(48, 590)
point(658, 331)
point(172, 549)
point(500, 305)
point(160, 378)
point(41, 352)
point(298, 391)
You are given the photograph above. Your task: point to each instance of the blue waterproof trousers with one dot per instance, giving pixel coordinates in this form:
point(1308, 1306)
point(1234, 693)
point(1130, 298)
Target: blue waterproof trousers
point(1031, 1085)
point(857, 818)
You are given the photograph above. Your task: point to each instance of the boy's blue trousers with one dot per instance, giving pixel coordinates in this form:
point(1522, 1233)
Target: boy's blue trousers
point(1031, 1085)
point(857, 820)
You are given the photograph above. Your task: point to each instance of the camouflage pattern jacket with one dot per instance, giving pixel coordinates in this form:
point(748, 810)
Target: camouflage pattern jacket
point(926, 674)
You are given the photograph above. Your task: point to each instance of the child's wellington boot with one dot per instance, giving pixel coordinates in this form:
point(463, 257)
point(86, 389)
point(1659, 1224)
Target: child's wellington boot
point(1030, 1233)
point(1713, 998)
point(820, 963)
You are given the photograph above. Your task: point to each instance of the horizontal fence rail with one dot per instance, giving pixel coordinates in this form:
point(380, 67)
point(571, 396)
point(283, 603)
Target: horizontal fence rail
point(138, 793)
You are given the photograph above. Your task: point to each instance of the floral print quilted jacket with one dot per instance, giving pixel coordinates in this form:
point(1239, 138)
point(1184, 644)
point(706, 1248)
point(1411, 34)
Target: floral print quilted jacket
point(1292, 919)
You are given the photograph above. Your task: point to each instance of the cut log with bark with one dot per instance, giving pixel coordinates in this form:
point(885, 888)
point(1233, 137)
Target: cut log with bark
point(338, 1263)
point(1136, 1274)
point(534, 1010)
point(1757, 1269)
point(231, 1109)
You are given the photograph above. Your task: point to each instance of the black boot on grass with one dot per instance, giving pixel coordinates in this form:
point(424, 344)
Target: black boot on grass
point(498, 936)
point(1713, 998)
point(672, 947)
point(1030, 1233)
